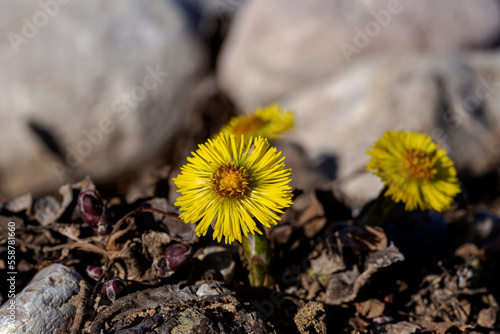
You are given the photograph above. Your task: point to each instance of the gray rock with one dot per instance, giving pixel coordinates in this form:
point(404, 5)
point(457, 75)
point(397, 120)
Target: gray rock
point(206, 290)
point(453, 98)
point(90, 88)
point(42, 307)
point(276, 47)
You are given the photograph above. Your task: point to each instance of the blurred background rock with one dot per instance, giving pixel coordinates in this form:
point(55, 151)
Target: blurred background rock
point(99, 88)
point(78, 92)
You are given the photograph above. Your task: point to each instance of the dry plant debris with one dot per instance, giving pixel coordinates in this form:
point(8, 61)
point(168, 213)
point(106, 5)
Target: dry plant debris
point(330, 274)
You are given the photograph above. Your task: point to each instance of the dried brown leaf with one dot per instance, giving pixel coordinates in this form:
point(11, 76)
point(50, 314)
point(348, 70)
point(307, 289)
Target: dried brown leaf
point(443, 327)
point(371, 308)
point(469, 249)
point(402, 327)
point(487, 317)
point(313, 218)
point(154, 243)
point(343, 287)
point(327, 263)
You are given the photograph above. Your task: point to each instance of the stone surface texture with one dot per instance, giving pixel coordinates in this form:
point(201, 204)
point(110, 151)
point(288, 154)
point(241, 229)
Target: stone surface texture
point(276, 47)
point(90, 88)
point(42, 306)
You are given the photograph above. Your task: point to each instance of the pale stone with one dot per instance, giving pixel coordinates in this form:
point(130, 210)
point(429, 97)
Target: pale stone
point(277, 47)
point(42, 306)
point(107, 85)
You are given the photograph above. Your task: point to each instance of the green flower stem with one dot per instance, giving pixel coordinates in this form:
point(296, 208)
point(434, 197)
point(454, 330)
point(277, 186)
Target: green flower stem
point(258, 253)
point(379, 211)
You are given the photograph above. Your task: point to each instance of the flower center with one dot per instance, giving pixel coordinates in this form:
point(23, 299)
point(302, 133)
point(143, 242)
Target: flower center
point(248, 125)
point(420, 164)
point(230, 181)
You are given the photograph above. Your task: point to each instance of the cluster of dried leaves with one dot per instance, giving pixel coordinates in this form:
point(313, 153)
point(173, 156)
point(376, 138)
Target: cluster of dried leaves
point(331, 275)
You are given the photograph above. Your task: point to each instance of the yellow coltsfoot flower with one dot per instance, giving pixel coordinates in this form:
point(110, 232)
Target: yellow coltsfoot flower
point(269, 123)
point(229, 181)
point(414, 170)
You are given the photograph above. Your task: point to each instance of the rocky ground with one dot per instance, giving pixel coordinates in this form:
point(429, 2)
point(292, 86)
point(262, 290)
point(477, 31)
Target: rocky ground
point(124, 92)
point(420, 272)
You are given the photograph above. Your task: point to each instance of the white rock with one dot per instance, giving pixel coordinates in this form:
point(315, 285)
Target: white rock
point(42, 306)
point(110, 83)
point(206, 290)
point(276, 47)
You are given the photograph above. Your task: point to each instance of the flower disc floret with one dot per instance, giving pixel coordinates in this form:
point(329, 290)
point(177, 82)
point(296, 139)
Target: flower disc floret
point(247, 125)
point(415, 170)
point(421, 165)
point(231, 183)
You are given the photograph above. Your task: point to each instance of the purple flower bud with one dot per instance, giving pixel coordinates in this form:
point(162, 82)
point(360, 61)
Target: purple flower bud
point(104, 226)
point(113, 288)
point(94, 213)
point(94, 272)
point(161, 266)
point(91, 207)
point(176, 256)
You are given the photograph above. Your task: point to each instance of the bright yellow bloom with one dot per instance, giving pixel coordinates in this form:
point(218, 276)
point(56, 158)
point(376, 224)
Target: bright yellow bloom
point(268, 123)
point(414, 170)
point(233, 181)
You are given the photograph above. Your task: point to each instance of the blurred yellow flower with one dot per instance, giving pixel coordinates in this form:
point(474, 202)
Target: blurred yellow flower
point(268, 123)
point(414, 170)
point(230, 181)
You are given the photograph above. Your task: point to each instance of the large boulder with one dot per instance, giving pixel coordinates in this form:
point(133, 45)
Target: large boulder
point(277, 47)
point(90, 88)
